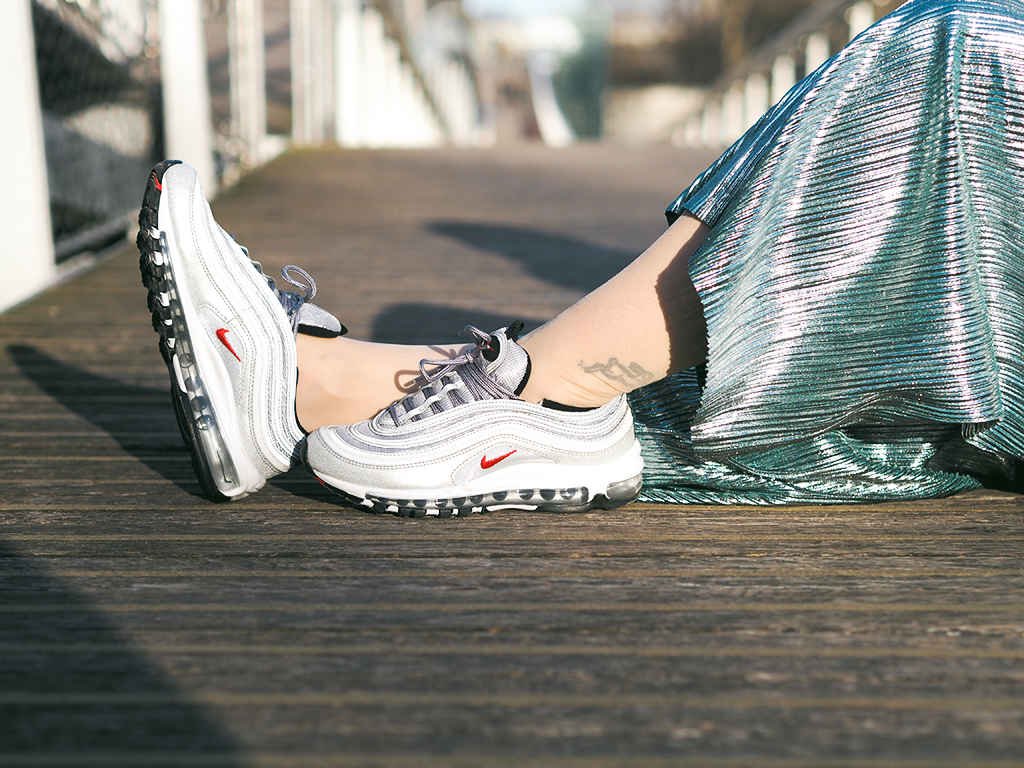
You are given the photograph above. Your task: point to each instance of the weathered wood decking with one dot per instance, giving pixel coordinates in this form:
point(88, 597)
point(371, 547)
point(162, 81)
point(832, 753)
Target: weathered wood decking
point(143, 626)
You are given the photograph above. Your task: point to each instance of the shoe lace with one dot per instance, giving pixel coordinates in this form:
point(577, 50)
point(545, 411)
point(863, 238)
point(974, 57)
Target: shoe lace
point(453, 381)
point(290, 300)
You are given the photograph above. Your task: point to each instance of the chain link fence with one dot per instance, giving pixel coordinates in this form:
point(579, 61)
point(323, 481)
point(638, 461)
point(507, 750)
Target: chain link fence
point(99, 91)
point(98, 64)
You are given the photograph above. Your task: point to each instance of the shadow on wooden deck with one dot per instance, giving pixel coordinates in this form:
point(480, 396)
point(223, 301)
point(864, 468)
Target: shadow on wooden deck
point(126, 412)
point(143, 626)
point(76, 691)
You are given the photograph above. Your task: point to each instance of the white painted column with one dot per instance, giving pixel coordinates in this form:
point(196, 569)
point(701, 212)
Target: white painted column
point(555, 130)
point(326, 33)
point(755, 99)
point(348, 69)
point(783, 77)
point(816, 52)
point(375, 79)
point(431, 127)
point(407, 108)
point(309, 72)
point(439, 89)
point(689, 133)
point(423, 125)
point(860, 17)
point(469, 108)
point(392, 126)
point(26, 240)
point(188, 120)
point(302, 71)
point(711, 124)
point(732, 114)
point(453, 99)
point(418, 114)
point(248, 77)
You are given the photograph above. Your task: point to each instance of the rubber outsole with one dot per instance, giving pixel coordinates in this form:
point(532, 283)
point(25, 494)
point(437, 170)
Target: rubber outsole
point(534, 499)
point(195, 417)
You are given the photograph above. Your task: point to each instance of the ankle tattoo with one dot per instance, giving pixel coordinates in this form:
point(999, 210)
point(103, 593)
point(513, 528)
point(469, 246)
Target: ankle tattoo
point(626, 377)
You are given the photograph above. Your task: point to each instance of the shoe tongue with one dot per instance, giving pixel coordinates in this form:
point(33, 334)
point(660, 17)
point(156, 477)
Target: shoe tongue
point(506, 362)
point(308, 318)
point(314, 320)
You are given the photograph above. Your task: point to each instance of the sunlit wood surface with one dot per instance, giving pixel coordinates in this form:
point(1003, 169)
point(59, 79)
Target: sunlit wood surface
point(141, 625)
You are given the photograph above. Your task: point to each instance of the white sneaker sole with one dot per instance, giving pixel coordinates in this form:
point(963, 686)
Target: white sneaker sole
point(201, 389)
point(541, 487)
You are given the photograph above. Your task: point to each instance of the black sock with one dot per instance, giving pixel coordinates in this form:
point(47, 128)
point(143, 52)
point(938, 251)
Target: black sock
point(526, 376)
point(562, 407)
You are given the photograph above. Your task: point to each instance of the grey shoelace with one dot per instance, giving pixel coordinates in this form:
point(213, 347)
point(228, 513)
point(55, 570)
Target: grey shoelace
point(452, 382)
point(290, 300)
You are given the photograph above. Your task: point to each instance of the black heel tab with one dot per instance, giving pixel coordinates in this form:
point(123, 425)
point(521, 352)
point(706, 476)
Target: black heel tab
point(513, 331)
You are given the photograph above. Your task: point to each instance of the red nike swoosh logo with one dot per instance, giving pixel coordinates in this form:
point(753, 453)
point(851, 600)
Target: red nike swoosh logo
point(486, 463)
point(222, 334)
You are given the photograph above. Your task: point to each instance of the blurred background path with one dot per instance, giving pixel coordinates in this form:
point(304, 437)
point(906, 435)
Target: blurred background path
point(97, 91)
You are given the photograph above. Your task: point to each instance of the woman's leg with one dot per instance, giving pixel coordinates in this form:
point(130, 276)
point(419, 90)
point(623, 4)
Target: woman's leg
point(643, 324)
point(640, 326)
point(343, 380)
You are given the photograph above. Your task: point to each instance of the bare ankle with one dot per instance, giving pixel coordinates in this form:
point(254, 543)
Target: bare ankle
point(323, 395)
point(343, 380)
point(572, 385)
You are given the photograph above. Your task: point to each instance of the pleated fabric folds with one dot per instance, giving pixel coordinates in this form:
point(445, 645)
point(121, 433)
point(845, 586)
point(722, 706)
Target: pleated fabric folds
point(863, 282)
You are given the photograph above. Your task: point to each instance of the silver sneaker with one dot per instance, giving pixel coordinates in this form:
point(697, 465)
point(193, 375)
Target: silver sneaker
point(465, 442)
point(227, 335)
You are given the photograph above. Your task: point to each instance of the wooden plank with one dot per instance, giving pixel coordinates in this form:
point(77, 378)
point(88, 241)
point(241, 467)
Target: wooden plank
point(143, 626)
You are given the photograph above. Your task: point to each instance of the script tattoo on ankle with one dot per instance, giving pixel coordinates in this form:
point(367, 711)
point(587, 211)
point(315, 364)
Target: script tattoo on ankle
point(629, 376)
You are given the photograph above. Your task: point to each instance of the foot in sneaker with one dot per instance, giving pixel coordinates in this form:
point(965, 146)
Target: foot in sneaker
point(465, 442)
point(227, 336)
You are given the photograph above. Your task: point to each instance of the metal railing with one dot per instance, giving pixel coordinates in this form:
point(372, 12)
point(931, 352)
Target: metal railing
point(396, 81)
point(741, 96)
point(97, 91)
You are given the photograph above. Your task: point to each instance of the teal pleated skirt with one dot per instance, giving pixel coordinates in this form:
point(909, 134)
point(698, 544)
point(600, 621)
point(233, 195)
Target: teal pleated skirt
point(863, 282)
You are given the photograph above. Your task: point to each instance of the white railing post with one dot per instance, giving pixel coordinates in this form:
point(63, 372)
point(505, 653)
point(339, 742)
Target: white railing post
point(26, 241)
point(464, 110)
point(375, 78)
point(732, 114)
point(326, 35)
point(711, 124)
point(555, 130)
point(300, 12)
point(310, 71)
point(783, 77)
point(689, 134)
point(723, 119)
point(248, 77)
point(392, 127)
point(348, 67)
point(409, 112)
point(816, 51)
point(860, 17)
point(382, 99)
point(188, 128)
point(755, 99)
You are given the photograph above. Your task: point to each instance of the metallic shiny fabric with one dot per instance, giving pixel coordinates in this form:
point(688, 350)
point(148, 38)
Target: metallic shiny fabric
point(863, 282)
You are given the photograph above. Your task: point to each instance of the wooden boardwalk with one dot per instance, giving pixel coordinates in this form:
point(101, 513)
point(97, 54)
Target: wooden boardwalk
point(143, 626)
